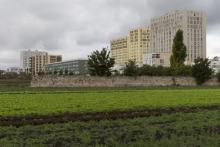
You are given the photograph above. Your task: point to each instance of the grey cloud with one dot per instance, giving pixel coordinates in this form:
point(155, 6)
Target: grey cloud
point(76, 27)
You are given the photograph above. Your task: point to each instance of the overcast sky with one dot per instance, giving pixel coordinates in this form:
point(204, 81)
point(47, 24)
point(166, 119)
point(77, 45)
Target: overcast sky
point(74, 28)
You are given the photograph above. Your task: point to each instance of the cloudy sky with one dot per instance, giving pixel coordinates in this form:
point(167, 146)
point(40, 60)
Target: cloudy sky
point(74, 28)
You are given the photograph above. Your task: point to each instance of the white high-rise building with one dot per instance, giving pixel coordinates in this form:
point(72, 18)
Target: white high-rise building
point(25, 59)
point(193, 25)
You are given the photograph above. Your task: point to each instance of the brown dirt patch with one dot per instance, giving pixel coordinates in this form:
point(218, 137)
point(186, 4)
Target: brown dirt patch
point(97, 116)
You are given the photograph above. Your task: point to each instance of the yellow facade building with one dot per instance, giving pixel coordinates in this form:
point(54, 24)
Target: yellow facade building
point(138, 44)
point(119, 50)
point(132, 47)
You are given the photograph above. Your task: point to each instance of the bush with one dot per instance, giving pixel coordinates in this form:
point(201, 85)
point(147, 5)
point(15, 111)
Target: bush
point(148, 70)
point(183, 71)
point(55, 72)
point(218, 76)
point(71, 73)
point(131, 69)
point(66, 71)
point(61, 72)
point(201, 71)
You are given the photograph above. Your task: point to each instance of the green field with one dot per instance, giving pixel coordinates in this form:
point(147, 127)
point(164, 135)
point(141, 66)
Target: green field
point(180, 128)
point(51, 102)
point(177, 130)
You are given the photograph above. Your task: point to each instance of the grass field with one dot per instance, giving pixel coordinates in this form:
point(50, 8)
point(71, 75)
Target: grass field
point(180, 128)
point(177, 130)
point(46, 102)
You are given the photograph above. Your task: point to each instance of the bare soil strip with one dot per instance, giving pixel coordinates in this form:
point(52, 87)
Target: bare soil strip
point(97, 116)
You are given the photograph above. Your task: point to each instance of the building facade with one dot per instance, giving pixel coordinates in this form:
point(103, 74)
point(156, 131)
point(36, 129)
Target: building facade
point(54, 58)
point(17, 70)
point(131, 47)
point(37, 62)
point(193, 25)
point(119, 50)
point(215, 64)
point(40, 59)
point(78, 67)
point(138, 44)
point(156, 59)
point(32, 62)
point(25, 60)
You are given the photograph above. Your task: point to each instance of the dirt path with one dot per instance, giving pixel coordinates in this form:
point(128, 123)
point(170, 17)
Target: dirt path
point(65, 117)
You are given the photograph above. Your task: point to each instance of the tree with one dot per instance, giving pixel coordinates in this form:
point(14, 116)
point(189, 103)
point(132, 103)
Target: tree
point(55, 72)
point(201, 71)
point(71, 73)
point(178, 56)
point(131, 68)
point(66, 71)
point(41, 73)
point(61, 72)
point(100, 63)
point(218, 76)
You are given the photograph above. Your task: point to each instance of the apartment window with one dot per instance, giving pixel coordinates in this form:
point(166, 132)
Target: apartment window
point(161, 61)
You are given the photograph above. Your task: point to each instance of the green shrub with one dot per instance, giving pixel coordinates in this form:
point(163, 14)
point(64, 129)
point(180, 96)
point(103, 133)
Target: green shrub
point(61, 72)
point(131, 69)
point(148, 70)
point(201, 71)
point(218, 76)
point(183, 71)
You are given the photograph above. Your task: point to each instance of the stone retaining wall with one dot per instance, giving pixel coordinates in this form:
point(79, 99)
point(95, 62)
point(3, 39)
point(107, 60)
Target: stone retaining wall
point(87, 81)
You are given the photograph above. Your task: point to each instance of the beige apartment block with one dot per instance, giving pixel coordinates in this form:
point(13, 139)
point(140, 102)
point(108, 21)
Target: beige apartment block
point(37, 62)
point(132, 47)
point(40, 59)
point(193, 25)
point(138, 44)
point(54, 58)
point(119, 50)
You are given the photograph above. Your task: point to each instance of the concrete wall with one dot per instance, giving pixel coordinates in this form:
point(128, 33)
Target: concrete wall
point(87, 81)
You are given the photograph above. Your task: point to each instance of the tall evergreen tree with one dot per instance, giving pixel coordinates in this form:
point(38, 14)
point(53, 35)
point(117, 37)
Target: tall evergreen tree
point(178, 56)
point(100, 63)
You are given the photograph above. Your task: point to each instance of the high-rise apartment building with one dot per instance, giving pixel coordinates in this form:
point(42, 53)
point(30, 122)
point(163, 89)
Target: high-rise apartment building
point(138, 44)
point(40, 59)
point(24, 60)
point(34, 61)
point(132, 47)
point(37, 62)
point(193, 25)
point(119, 50)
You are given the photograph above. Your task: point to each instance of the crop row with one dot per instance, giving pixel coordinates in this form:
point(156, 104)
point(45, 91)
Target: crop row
point(180, 129)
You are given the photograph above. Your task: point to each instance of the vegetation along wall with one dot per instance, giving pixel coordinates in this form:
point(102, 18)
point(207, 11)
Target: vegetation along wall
point(87, 81)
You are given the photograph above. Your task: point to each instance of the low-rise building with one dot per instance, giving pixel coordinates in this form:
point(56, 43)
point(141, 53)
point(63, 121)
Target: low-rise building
point(78, 67)
point(54, 58)
point(17, 70)
point(156, 59)
point(215, 64)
